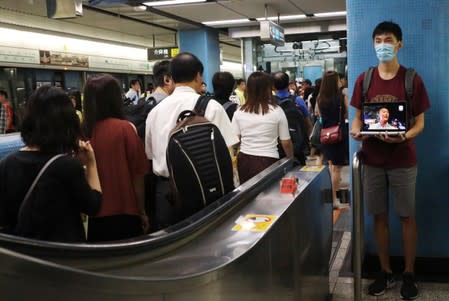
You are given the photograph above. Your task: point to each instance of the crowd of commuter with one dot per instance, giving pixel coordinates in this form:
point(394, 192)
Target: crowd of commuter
point(112, 175)
point(133, 174)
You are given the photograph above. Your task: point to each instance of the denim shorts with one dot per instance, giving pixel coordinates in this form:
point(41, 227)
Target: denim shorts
point(378, 182)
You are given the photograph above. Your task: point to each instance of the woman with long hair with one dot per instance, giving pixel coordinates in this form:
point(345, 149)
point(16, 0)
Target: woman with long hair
point(67, 187)
point(333, 108)
point(121, 161)
point(259, 124)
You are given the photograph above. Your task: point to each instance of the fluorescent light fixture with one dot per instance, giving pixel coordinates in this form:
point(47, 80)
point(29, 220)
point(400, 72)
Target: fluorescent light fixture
point(283, 18)
point(226, 22)
point(331, 14)
point(140, 8)
point(171, 2)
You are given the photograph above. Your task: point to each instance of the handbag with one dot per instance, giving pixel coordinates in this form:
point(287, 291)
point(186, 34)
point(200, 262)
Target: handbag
point(316, 133)
point(333, 134)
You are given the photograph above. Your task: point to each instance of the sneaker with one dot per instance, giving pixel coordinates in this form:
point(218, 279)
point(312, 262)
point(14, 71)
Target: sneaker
point(383, 282)
point(409, 288)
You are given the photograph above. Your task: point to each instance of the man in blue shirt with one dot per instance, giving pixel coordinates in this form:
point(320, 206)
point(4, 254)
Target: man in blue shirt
point(281, 80)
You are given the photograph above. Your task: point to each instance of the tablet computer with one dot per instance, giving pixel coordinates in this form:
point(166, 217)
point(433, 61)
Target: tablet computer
point(384, 118)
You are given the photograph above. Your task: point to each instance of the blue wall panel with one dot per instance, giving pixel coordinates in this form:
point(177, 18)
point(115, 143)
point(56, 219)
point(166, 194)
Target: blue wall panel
point(426, 44)
point(205, 45)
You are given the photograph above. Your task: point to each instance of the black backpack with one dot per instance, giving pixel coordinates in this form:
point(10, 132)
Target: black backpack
point(409, 77)
point(296, 126)
point(137, 114)
point(198, 161)
point(230, 108)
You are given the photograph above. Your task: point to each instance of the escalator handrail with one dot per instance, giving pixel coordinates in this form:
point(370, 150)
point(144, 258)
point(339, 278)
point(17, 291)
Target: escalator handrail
point(174, 233)
point(358, 220)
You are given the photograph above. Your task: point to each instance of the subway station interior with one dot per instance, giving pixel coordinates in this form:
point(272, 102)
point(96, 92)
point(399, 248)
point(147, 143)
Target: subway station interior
point(256, 242)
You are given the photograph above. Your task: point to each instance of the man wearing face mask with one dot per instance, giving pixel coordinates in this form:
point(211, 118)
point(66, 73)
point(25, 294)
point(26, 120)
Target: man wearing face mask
point(390, 161)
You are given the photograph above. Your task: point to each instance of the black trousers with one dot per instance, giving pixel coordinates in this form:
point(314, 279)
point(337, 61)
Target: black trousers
point(165, 212)
point(115, 227)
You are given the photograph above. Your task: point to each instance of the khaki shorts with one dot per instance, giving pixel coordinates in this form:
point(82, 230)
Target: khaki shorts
point(378, 182)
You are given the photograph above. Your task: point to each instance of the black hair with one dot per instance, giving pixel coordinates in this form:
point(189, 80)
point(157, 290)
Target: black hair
point(281, 80)
point(133, 82)
point(50, 121)
point(160, 70)
point(316, 91)
point(308, 81)
point(4, 93)
point(75, 94)
point(223, 84)
point(388, 27)
point(239, 81)
point(184, 67)
point(102, 99)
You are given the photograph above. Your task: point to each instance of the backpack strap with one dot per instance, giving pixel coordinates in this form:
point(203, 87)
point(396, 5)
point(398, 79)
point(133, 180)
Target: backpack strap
point(366, 82)
point(409, 77)
point(228, 104)
point(30, 190)
point(280, 101)
point(201, 105)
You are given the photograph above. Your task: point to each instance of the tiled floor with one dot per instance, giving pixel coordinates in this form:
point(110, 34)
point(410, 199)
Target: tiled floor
point(342, 288)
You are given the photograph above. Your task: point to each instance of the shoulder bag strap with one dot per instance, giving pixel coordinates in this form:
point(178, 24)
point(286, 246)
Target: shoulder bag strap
point(41, 172)
point(340, 98)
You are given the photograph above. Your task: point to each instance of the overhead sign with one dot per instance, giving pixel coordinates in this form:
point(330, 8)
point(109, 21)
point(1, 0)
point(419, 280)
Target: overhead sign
point(47, 57)
point(163, 53)
point(272, 32)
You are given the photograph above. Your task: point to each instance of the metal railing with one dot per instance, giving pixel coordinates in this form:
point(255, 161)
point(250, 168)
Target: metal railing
point(357, 230)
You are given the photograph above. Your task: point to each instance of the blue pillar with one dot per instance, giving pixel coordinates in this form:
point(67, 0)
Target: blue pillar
point(205, 45)
point(426, 44)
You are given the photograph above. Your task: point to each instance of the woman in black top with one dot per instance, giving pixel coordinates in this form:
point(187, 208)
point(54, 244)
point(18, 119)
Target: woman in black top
point(333, 108)
point(66, 188)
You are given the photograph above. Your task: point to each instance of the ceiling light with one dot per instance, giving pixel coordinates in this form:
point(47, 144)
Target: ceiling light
point(283, 18)
point(226, 22)
point(171, 2)
point(140, 8)
point(331, 14)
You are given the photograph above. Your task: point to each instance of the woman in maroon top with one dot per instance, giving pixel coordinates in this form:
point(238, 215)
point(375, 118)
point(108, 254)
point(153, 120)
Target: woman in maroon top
point(121, 162)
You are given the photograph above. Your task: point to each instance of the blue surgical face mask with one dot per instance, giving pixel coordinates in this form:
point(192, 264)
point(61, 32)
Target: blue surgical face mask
point(385, 52)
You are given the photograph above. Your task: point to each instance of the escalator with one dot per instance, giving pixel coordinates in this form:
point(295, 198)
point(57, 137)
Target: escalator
point(253, 244)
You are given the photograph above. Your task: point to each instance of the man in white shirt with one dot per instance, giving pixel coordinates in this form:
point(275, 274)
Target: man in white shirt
point(186, 71)
point(134, 91)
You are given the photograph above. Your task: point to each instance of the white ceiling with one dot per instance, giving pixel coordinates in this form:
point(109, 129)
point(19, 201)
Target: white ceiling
point(238, 9)
point(157, 27)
